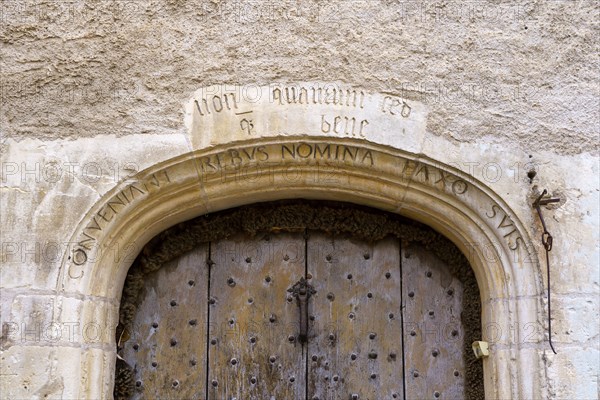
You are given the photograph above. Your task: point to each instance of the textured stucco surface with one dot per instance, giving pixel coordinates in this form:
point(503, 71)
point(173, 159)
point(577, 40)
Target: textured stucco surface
point(94, 91)
point(522, 72)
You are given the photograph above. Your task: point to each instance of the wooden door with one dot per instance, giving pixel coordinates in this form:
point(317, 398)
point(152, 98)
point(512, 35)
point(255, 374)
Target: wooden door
point(253, 351)
point(356, 341)
point(382, 321)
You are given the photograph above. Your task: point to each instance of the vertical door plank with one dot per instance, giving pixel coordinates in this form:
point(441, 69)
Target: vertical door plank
point(168, 341)
point(253, 352)
point(433, 334)
point(355, 344)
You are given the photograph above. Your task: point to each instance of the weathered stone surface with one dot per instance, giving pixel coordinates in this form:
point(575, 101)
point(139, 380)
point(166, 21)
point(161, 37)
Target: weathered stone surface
point(521, 73)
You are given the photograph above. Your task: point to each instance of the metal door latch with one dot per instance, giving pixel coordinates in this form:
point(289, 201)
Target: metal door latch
point(302, 291)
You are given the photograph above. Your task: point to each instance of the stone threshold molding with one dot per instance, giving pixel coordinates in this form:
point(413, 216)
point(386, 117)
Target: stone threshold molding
point(319, 141)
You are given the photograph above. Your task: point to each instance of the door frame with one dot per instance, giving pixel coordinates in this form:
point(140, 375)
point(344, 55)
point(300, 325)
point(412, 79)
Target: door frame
point(457, 205)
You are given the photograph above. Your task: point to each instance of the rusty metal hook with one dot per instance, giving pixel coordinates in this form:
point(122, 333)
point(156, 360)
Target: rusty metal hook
point(547, 241)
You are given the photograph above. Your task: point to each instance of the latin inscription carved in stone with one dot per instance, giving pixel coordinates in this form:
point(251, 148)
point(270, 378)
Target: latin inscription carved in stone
point(216, 104)
point(506, 227)
point(223, 114)
point(114, 206)
point(434, 176)
point(233, 158)
point(329, 161)
point(395, 106)
point(347, 126)
point(329, 94)
point(327, 152)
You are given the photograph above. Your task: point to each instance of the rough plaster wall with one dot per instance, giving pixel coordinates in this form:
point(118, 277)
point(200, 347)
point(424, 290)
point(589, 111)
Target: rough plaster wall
point(523, 72)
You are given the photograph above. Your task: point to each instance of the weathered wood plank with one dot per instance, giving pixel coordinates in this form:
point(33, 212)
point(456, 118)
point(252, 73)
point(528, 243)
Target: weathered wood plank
point(433, 334)
point(168, 342)
point(355, 338)
point(252, 323)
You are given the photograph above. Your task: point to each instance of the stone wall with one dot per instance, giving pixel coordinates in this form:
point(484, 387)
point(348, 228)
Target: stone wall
point(93, 92)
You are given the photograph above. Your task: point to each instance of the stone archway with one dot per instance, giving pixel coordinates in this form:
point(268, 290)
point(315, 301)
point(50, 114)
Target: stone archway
point(463, 209)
